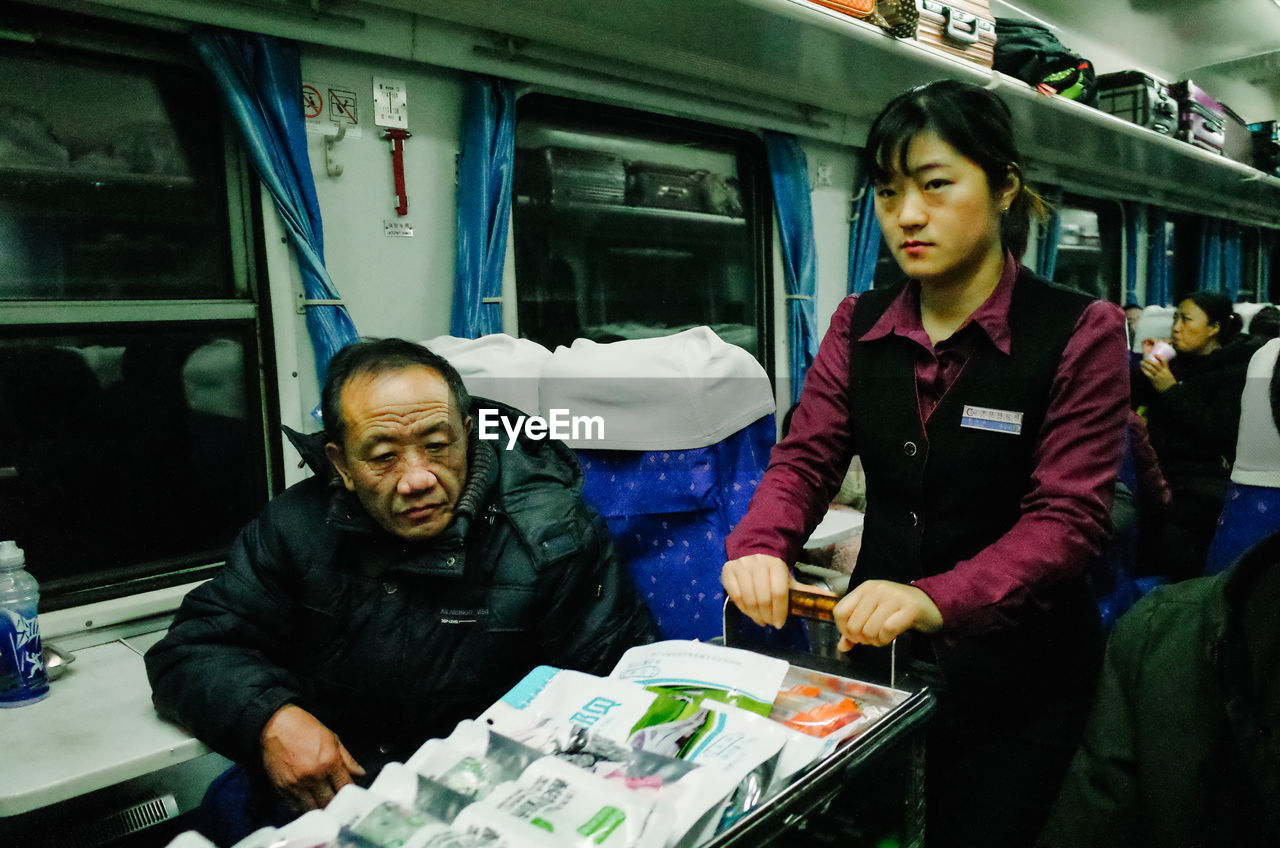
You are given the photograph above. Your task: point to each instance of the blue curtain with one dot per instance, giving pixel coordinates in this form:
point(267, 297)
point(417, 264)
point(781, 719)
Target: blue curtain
point(1266, 244)
point(1159, 272)
point(1232, 260)
point(789, 172)
point(864, 239)
point(261, 82)
point(1133, 214)
point(484, 202)
point(1047, 249)
point(1210, 273)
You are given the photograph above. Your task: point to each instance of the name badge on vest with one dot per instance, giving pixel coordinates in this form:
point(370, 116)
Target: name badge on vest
point(996, 420)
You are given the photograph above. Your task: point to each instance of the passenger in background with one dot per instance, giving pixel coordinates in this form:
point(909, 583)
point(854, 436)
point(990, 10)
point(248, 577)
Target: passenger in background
point(1132, 312)
point(1192, 407)
point(988, 407)
point(1265, 325)
point(406, 586)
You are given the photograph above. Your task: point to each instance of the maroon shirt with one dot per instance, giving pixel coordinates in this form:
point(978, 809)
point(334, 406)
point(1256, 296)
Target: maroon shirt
point(1066, 513)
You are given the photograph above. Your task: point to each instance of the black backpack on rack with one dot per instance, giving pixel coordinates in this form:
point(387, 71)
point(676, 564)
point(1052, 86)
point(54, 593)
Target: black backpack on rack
point(1033, 54)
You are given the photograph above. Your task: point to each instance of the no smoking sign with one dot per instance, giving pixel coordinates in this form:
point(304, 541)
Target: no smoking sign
point(312, 102)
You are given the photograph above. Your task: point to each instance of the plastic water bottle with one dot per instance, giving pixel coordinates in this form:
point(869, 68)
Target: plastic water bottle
point(22, 674)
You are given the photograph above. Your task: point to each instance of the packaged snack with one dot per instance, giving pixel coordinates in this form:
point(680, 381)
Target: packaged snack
point(315, 829)
point(371, 821)
point(407, 788)
point(563, 806)
point(473, 759)
point(700, 671)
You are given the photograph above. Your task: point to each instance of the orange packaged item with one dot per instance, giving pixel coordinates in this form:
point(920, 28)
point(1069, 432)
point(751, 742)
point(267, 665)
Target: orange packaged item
point(802, 691)
point(825, 718)
point(856, 8)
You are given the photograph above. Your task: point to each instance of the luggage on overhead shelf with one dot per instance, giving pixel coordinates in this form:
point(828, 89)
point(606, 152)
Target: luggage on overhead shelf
point(666, 187)
point(896, 17)
point(568, 174)
point(1266, 146)
point(856, 8)
point(1140, 99)
point(1032, 53)
point(963, 28)
point(1237, 140)
point(1201, 119)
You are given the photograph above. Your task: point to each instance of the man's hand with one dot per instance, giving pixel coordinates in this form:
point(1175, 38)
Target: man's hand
point(305, 761)
point(758, 585)
point(879, 611)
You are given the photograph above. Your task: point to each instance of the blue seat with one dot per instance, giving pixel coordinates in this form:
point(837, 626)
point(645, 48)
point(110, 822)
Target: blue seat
point(669, 513)
point(1252, 508)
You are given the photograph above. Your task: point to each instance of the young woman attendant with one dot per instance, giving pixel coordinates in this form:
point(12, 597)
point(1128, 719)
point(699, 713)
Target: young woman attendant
point(988, 408)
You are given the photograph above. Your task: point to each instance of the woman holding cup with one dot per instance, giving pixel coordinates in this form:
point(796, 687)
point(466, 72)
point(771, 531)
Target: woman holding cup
point(1192, 405)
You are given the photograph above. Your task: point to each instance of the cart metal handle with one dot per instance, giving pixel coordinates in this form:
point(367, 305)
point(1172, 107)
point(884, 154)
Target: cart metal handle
point(814, 606)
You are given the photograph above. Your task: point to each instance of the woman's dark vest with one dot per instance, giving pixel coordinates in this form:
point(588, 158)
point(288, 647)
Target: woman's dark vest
point(939, 494)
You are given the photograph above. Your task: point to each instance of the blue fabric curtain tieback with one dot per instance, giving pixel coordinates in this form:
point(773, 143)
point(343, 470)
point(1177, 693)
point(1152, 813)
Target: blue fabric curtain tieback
point(799, 297)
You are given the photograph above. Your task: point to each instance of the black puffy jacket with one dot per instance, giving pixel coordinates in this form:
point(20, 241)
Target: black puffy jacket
point(391, 643)
point(1194, 424)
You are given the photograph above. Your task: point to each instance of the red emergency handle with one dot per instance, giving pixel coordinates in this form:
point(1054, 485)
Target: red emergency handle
point(397, 137)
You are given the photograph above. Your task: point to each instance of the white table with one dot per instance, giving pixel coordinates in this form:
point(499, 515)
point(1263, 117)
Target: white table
point(96, 728)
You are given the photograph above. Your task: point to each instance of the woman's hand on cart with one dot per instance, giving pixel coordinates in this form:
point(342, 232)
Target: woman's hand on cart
point(879, 611)
point(758, 585)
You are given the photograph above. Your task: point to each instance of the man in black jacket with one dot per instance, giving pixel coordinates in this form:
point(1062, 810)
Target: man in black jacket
point(1183, 747)
point(366, 611)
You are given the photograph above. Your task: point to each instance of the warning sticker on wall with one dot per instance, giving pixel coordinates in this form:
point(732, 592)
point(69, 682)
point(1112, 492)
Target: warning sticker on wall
point(327, 107)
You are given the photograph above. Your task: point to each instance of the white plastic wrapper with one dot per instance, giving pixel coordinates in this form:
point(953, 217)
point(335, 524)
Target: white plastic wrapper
point(699, 668)
point(316, 829)
point(473, 759)
point(556, 697)
point(562, 806)
point(371, 821)
point(544, 708)
point(407, 788)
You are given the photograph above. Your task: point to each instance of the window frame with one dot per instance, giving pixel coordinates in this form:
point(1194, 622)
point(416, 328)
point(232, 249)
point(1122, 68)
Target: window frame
point(246, 312)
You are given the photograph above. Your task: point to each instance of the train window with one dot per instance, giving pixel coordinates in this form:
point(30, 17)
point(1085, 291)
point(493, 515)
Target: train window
point(630, 226)
point(131, 437)
point(1089, 247)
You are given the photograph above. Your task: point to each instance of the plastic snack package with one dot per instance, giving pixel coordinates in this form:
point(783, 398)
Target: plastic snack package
point(315, 829)
point(371, 821)
point(562, 806)
point(407, 788)
point(744, 678)
point(550, 698)
point(830, 708)
point(473, 759)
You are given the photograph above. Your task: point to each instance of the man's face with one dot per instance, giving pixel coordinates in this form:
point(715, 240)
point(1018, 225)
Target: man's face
point(405, 451)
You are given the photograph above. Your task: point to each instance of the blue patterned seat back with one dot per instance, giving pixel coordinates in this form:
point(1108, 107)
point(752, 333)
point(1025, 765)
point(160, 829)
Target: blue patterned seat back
point(669, 513)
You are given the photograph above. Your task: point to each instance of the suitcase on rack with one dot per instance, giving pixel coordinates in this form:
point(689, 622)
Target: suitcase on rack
point(963, 28)
point(1266, 147)
point(1140, 99)
point(1201, 119)
point(666, 187)
point(1237, 141)
point(571, 175)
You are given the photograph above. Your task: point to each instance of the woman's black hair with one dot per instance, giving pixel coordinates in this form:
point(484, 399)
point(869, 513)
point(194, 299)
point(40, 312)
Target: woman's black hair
point(977, 124)
point(1220, 311)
